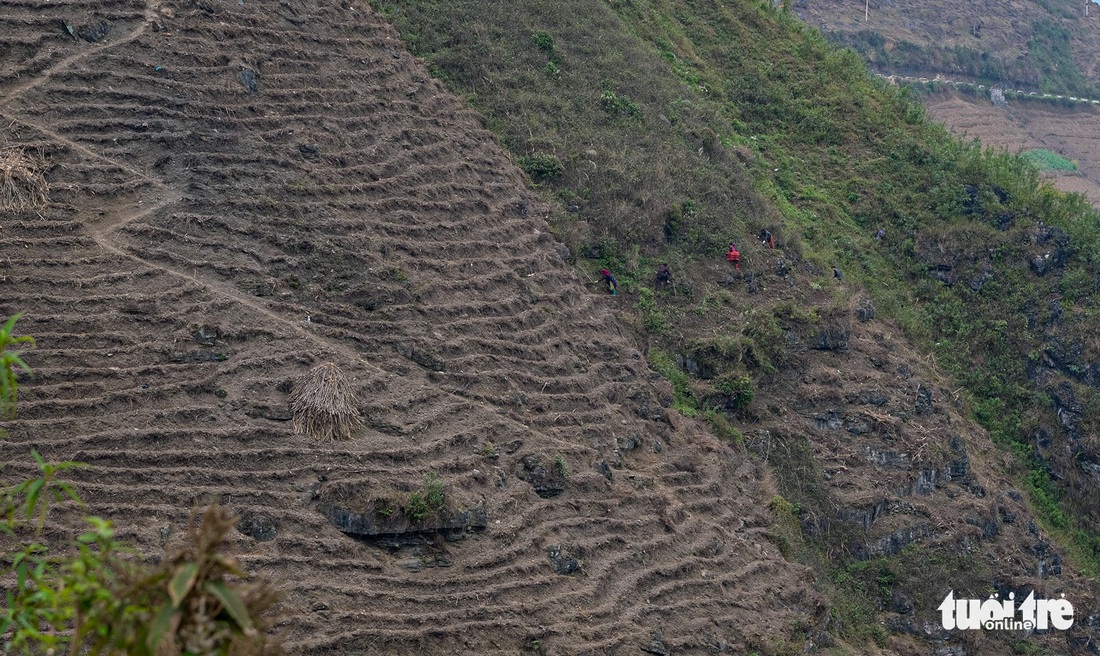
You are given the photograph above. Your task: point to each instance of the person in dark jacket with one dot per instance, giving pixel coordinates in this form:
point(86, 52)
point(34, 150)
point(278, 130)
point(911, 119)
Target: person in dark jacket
point(767, 238)
point(664, 276)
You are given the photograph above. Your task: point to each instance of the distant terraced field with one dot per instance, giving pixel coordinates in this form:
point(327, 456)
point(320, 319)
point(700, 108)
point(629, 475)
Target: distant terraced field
point(239, 191)
point(1072, 133)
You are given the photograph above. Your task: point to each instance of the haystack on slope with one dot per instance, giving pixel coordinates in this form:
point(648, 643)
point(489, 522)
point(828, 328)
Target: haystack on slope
point(22, 183)
point(324, 404)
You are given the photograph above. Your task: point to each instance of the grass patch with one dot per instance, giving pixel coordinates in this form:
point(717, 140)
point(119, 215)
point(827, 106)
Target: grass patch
point(430, 499)
point(683, 395)
point(1048, 160)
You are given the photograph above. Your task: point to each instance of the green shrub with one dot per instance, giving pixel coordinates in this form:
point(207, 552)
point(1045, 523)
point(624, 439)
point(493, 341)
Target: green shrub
point(646, 304)
point(782, 508)
point(541, 166)
point(416, 507)
point(421, 504)
point(544, 41)
point(617, 105)
point(737, 390)
point(433, 491)
point(560, 466)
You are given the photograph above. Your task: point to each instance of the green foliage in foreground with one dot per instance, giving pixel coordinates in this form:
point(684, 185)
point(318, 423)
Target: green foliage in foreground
point(97, 596)
point(10, 362)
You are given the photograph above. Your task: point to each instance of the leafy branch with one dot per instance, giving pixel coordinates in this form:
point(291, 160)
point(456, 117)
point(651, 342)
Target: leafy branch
point(10, 359)
point(98, 597)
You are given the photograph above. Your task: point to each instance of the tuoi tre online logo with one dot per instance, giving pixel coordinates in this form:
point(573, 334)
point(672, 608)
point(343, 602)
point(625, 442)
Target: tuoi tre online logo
point(1003, 614)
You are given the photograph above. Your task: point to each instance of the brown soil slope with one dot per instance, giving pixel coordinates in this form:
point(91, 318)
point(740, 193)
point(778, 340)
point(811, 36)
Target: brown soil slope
point(876, 446)
point(240, 190)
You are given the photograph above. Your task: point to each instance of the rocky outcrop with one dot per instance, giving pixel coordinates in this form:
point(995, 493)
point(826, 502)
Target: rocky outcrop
point(452, 524)
point(547, 476)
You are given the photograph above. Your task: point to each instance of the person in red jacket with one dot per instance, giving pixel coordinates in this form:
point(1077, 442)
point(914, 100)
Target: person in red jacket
point(734, 256)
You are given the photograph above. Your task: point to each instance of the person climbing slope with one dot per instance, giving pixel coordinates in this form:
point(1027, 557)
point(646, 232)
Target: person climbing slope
point(767, 238)
point(734, 257)
point(664, 276)
point(612, 284)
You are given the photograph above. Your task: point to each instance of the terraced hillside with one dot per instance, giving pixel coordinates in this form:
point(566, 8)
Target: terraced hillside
point(239, 191)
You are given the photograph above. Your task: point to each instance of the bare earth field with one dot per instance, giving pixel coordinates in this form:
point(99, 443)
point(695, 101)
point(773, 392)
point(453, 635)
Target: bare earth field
point(239, 191)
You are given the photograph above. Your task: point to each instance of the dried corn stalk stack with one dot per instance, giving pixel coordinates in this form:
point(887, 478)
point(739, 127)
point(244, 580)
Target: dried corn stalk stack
point(324, 405)
point(22, 183)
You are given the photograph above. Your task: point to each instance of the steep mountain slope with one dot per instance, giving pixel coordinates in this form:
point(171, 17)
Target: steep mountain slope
point(240, 191)
point(990, 272)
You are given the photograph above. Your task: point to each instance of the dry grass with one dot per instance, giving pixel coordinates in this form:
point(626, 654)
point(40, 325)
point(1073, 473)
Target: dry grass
point(324, 405)
point(22, 183)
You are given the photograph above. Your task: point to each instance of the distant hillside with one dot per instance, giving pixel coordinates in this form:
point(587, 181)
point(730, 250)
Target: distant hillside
point(1046, 47)
point(1073, 132)
point(1038, 45)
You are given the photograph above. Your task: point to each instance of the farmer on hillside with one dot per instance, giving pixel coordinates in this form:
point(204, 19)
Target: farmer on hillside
point(836, 274)
point(664, 276)
point(612, 284)
point(734, 257)
point(766, 238)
